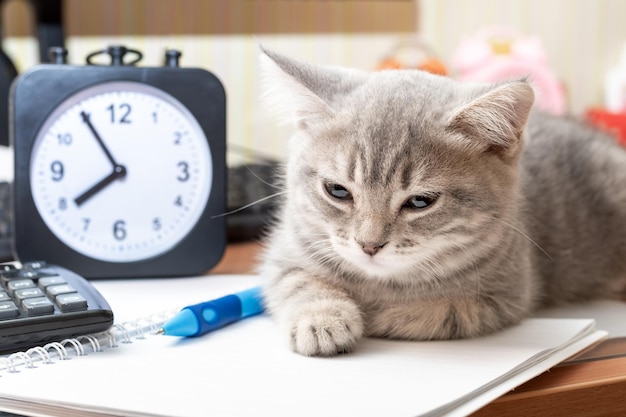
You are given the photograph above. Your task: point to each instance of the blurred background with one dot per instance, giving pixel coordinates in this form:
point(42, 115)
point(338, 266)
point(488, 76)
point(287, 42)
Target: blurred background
point(574, 51)
point(577, 43)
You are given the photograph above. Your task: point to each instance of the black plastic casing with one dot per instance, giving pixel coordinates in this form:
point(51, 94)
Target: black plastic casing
point(36, 93)
point(24, 332)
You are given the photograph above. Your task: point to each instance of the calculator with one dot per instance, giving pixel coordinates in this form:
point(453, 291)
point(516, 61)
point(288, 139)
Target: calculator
point(42, 303)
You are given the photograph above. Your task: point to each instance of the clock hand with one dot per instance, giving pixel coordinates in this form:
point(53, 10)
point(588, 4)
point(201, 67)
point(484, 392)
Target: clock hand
point(86, 119)
point(119, 171)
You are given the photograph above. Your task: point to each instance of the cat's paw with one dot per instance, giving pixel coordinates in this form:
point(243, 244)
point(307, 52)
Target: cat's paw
point(326, 327)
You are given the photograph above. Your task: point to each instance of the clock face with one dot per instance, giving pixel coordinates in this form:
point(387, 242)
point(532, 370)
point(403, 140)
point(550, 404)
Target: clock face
point(120, 172)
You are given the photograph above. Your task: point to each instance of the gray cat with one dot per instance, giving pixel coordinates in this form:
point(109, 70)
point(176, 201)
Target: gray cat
point(416, 207)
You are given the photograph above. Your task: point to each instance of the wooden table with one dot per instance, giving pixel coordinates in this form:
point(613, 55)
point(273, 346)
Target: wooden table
point(592, 383)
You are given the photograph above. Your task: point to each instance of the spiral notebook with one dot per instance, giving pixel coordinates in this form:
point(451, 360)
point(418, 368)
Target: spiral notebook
point(247, 368)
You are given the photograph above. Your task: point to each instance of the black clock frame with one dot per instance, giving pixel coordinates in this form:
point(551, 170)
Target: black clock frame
point(35, 95)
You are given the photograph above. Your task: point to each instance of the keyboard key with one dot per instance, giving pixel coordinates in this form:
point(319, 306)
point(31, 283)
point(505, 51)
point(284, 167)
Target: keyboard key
point(34, 265)
point(55, 290)
point(47, 281)
point(19, 284)
point(8, 310)
point(38, 306)
point(71, 302)
point(28, 293)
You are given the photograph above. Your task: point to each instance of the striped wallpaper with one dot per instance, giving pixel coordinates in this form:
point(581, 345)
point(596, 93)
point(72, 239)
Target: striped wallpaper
point(233, 58)
point(583, 39)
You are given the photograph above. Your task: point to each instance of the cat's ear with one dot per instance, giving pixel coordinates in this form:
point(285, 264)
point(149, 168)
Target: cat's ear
point(302, 92)
point(495, 121)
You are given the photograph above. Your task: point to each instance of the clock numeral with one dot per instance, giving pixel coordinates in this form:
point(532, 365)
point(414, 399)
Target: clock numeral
point(178, 137)
point(124, 109)
point(119, 230)
point(179, 201)
point(184, 171)
point(57, 170)
point(156, 224)
point(62, 203)
point(86, 222)
point(64, 138)
point(155, 117)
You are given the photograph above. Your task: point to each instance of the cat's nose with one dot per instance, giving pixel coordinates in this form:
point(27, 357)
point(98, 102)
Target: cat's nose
point(372, 248)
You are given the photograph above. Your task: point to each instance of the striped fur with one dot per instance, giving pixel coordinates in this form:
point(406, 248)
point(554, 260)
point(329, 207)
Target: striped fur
point(520, 210)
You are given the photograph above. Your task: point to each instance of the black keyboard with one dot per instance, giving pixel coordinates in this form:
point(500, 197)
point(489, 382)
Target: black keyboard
point(42, 303)
point(252, 185)
point(6, 221)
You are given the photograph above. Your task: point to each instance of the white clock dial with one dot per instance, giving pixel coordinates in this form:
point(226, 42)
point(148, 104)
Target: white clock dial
point(121, 172)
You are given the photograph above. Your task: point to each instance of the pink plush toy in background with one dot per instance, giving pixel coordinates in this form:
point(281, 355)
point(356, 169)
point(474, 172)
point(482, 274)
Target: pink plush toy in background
point(502, 53)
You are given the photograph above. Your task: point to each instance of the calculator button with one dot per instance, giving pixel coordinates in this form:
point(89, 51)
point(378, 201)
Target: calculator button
point(4, 296)
point(19, 284)
point(71, 302)
point(47, 281)
point(38, 306)
point(8, 310)
point(28, 293)
point(55, 290)
point(34, 265)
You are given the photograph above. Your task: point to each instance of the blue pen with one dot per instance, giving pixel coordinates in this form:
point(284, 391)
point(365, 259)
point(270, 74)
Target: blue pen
point(198, 319)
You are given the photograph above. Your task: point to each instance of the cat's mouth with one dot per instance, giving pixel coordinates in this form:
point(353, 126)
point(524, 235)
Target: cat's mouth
point(375, 265)
point(382, 263)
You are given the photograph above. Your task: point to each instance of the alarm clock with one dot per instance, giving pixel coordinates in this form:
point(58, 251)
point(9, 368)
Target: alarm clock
point(119, 170)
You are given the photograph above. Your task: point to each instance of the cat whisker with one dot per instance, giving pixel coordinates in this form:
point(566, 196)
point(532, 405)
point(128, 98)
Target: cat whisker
point(434, 268)
point(237, 210)
point(262, 180)
point(315, 247)
point(322, 253)
point(431, 266)
point(527, 237)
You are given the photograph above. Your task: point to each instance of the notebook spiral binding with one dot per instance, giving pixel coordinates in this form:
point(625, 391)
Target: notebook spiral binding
point(123, 333)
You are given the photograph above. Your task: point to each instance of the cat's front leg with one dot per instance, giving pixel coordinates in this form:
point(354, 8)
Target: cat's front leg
point(444, 319)
point(320, 319)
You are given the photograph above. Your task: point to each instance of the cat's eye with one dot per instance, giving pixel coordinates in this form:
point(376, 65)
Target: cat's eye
point(420, 202)
point(338, 191)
